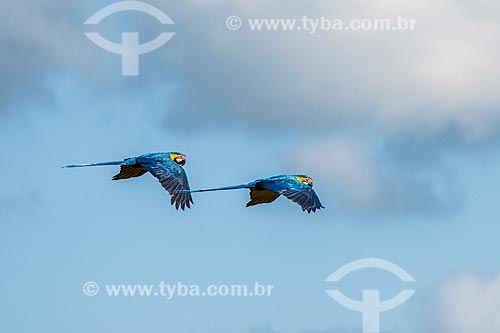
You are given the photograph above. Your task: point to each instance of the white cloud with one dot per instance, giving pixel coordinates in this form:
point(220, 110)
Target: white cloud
point(437, 83)
point(358, 173)
point(345, 164)
point(469, 304)
point(442, 75)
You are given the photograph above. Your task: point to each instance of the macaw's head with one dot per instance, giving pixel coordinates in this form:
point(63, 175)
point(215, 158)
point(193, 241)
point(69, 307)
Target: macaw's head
point(178, 158)
point(305, 179)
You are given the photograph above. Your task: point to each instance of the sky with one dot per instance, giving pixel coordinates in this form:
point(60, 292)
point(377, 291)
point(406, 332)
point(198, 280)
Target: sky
point(399, 129)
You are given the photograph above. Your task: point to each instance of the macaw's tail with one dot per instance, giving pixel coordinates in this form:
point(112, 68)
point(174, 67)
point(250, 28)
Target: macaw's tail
point(126, 161)
point(234, 187)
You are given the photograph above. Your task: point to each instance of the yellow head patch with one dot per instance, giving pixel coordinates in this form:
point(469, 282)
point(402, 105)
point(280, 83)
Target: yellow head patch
point(301, 179)
point(174, 156)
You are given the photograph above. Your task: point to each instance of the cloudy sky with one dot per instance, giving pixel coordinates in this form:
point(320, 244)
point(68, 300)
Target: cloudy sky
point(399, 129)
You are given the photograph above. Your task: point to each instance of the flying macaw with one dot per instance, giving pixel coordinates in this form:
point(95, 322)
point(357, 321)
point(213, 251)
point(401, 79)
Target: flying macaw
point(297, 188)
point(167, 167)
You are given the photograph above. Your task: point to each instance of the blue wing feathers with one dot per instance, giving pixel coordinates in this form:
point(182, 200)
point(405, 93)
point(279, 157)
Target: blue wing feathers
point(174, 180)
point(286, 185)
point(171, 175)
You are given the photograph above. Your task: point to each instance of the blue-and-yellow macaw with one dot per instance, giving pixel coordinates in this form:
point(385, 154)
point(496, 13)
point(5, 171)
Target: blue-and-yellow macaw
point(167, 167)
point(297, 188)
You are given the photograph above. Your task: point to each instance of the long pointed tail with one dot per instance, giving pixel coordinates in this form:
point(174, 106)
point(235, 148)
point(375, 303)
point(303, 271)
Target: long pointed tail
point(234, 187)
point(95, 164)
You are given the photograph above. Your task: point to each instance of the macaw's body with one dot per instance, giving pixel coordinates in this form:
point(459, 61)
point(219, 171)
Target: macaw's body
point(166, 167)
point(297, 188)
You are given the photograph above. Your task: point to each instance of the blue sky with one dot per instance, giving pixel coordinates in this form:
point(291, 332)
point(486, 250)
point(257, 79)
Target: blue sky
point(399, 131)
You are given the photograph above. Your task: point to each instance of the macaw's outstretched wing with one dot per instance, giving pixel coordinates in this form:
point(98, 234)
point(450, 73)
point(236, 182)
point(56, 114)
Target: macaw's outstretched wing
point(305, 197)
point(260, 196)
point(173, 178)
